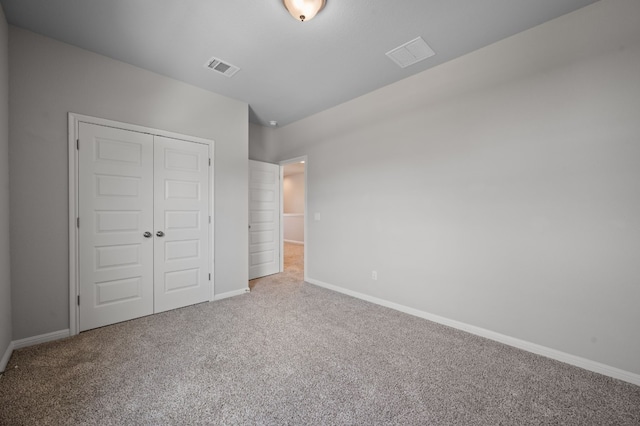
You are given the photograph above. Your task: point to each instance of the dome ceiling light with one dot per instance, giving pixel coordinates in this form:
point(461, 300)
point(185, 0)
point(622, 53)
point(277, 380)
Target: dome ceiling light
point(304, 10)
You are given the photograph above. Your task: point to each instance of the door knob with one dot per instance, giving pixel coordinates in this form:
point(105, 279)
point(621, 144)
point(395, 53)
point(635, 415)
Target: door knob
point(160, 234)
point(147, 234)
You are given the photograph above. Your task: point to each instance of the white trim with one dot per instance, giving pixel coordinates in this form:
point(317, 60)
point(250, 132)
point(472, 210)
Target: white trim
point(306, 209)
point(74, 121)
point(281, 218)
point(74, 318)
point(42, 338)
point(212, 193)
point(577, 361)
point(301, 243)
point(7, 355)
point(231, 294)
point(293, 214)
point(31, 341)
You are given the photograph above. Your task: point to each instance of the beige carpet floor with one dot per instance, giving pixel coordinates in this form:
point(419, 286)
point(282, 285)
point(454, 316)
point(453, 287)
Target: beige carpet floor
point(293, 353)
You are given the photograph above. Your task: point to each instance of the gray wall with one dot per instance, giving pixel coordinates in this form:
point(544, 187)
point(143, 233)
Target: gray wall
point(49, 79)
point(499, 189)
point(5, 276)
point(260, 142)
point(293, 193)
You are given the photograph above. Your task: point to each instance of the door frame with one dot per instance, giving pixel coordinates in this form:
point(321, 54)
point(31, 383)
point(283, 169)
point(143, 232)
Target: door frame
point(74, 121)
point(306, 209)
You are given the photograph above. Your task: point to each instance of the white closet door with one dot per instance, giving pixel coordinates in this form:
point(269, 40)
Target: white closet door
point(264, 219)
point(115, 210)
point(181, 266)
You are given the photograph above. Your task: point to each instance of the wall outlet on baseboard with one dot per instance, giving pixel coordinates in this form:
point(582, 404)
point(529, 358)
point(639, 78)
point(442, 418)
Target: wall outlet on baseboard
point(374, 275)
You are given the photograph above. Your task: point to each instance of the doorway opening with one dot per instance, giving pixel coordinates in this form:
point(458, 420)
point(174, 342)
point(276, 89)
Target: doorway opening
point(277, 221)
point(293, 215)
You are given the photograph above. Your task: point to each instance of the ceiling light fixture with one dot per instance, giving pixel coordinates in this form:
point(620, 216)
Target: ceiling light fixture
point(304, 10)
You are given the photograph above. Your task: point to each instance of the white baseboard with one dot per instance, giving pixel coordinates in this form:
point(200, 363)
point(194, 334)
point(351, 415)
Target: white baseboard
point(30, 341)
point(577, 361)
point(42, 338)
point(294, 242)
point(5, 358)
point(230, 294)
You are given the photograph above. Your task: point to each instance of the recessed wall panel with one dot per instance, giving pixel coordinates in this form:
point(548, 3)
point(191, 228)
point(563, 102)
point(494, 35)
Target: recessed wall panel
point(262, 258)
point(182, 190)
point(262, 237)
point(108, 150)
point(182, 219)
point(262, 195)
point(182, 250)
point(118, 291)
point(181, 161)
point(117, 221)
point(117, 256)
point(258, 216)
point(117, 186)
point(261, 176)
point(178, 280)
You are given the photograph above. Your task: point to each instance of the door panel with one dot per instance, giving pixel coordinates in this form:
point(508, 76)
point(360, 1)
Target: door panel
point(115, 194)
point(264, 219)
point(182, 213)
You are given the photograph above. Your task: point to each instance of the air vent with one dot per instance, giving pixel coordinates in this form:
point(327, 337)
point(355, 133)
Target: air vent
point(222, 67)
point(411, 52)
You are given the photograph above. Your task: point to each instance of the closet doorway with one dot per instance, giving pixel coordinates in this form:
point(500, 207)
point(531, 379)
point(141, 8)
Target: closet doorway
point(141, 229)
point(294, 214)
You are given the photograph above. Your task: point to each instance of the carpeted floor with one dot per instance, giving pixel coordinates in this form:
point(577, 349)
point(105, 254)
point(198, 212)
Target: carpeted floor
point(293, 353)
point(293, 265)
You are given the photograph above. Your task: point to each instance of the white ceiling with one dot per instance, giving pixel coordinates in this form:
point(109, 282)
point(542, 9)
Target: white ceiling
point(288, 69)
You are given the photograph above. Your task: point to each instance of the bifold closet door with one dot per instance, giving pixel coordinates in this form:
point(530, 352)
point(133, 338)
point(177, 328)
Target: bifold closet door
point(182, 223)
point(115, 193)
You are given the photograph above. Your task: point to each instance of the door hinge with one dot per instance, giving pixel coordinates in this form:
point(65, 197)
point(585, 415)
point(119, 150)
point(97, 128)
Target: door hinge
point(209, 219)
point(209, 276)
point(209, 161)
point(78, 222)
point(78, 144)
point(78, 300)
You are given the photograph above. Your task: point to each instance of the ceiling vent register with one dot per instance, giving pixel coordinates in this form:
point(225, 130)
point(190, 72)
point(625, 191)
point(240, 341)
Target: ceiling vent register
point(221, 67)
point(411, 52)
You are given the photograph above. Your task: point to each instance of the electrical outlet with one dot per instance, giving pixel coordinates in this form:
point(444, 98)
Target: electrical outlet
point(374, 275)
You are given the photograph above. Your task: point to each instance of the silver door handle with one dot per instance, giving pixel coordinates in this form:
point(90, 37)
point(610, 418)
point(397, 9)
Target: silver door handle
point(147, 234)
point(160, 234)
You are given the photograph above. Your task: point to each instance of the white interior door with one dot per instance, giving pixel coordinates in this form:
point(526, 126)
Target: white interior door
point(264, 219)
point(115, 194)
point(181, 223)
point(144, 224)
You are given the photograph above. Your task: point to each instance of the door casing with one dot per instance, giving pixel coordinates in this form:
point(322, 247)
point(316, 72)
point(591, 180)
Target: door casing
point(74, 120)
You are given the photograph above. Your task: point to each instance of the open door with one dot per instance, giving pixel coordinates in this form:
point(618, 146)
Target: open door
point(264, 219)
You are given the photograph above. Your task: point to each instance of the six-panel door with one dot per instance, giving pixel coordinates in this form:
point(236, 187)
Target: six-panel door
point(139, 255)
point(264, 219)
